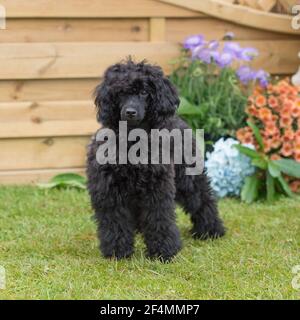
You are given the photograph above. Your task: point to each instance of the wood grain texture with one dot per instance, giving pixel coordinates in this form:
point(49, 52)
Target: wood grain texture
point(177, 29)
point(47, 90)
point(77, 60)
point(25, 177)
point(39, 112)
point(72, 30)
point(93, 8)
point(157, 29)
point(239, 14)
point(42, 153)
point(54, 128)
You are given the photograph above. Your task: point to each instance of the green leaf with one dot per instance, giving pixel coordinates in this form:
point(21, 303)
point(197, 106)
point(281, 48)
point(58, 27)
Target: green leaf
point(273, 169)
point(257, 134)
point(289, 167)
point(188, 109)
point(270, 187)
point(250, 189)
point(69, 177)
point(65, 180)
point(260, 163)
point(248, 151)
point(285, 186)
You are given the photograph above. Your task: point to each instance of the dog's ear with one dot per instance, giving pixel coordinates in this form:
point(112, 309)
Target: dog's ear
point(103, 103)
point(166, 96)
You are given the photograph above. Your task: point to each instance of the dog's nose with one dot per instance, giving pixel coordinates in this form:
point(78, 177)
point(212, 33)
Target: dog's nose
point(131, 113)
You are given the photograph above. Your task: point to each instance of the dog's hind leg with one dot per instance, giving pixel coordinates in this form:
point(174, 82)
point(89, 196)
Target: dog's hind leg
point(196, 197)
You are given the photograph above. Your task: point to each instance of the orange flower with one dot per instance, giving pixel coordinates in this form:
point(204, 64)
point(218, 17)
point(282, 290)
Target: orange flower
point(249, 138)
point(275, 156)
point(297, 147)
point(296, 109)
point(286, 149)
point(276, 142)
point(295, 186)
point(271, 128)
point(265, 114)
point(297, 136)
point(267, 145)
point(297, 157)
point(244, 135)
point(252, 110)
point(288, 135)
point(273, 102)
point(260, 101)
point(285, 121)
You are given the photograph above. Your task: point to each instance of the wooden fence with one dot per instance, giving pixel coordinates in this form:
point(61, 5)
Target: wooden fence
point(53, 53)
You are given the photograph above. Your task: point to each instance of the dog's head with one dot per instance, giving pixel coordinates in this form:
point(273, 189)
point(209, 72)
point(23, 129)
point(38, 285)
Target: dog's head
point(136, 92)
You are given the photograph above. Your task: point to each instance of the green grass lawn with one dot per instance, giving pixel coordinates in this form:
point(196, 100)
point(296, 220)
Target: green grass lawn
point(49, 250)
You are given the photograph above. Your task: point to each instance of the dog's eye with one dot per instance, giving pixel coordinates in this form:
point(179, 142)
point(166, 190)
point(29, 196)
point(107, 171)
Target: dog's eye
point(144, 93)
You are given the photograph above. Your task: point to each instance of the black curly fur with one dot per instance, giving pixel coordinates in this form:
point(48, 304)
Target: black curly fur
point(129, 198)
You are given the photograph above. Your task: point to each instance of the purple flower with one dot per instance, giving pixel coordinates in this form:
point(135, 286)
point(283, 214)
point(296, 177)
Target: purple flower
point(193, 41)
point(224, 59)
point(245, 74)
point(204, 55)
point(262, 76)
point(213, 45)
point(248, 54)
point(233, 48)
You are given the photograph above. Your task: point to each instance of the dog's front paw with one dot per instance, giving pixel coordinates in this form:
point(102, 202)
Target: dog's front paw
point(165, 251)
point(210, 231)
point(117, 252)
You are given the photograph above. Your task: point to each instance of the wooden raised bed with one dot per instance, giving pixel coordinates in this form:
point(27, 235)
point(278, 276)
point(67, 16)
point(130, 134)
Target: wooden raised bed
point(53, 53)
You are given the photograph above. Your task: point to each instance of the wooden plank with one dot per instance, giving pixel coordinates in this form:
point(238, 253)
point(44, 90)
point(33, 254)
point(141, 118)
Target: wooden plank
point(47, 90)
point(72, 30)
point(25, 177)
point(239, 14)
point(266, 5)
point(75, 60)
point(42, 153)
point(177, 29)
point(38, 112)
point(54, 128)
point(157, 29)
point(93, 8)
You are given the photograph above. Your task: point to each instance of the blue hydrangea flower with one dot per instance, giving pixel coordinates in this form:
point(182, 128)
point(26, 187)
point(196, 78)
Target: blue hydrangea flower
point(227, 168)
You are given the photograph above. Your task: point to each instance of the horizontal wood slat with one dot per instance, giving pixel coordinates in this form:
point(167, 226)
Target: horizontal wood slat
point(42, 153)
point(53, 128)
point(239, 14)
point(77, 60)
point(72, 30)
point(47, 90)
point(34, 176)
point(39, 112)
point(93, 8)
point(177, 29)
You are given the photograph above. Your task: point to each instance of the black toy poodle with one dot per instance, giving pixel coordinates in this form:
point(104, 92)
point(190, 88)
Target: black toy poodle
point(128, 198)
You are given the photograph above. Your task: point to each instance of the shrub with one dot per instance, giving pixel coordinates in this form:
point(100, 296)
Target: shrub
point(275, 111)
point(214, 80)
